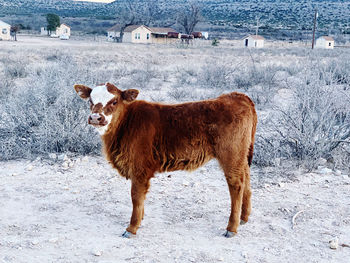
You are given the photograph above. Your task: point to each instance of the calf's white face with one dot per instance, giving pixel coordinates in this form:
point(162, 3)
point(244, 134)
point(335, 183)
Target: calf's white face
point(100, 95)
point(104, 101)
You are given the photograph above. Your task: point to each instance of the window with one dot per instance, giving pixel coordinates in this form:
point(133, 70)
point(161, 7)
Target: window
point(4, 31)
point(135, 35)
point(330, 44)
point(138, 36)
point(147, 35)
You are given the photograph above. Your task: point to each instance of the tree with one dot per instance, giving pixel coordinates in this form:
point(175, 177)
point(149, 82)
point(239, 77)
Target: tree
point(53, 21)
point(135, 13)
point(14, 30)
point(189, 17)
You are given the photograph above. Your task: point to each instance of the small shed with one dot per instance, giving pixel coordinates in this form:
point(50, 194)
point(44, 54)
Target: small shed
point(205, 35)
point(325, 42)
point(254, 41)
point(5, 31)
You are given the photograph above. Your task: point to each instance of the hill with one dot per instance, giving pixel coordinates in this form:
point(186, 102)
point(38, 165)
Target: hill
point(225, 14)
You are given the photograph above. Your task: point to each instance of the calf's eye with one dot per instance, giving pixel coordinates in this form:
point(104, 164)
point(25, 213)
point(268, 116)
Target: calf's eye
point(114, 102)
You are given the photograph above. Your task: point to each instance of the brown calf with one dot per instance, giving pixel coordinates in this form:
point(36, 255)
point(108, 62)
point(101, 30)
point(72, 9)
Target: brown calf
point(141, 138)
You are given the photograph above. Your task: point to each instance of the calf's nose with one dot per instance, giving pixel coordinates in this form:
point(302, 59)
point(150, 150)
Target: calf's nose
point(95, 118)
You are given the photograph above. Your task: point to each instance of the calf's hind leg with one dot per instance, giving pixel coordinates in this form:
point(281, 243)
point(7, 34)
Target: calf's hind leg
point(247, 193)
point(235, 179)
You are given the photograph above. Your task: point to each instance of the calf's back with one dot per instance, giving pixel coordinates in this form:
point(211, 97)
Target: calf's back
point(158, 138)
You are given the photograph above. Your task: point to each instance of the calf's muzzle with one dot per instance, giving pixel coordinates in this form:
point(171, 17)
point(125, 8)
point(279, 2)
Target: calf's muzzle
point(97, 119)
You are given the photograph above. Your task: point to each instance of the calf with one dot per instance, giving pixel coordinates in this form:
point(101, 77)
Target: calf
point(141, 138)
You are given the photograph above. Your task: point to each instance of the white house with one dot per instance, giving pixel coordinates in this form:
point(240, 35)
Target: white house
point(62, 31)
point(325, 42)
point(44, 31)
point(205, 35)
point(113, 33)
point(254, 41)
point(5, 31)
point(144, 34)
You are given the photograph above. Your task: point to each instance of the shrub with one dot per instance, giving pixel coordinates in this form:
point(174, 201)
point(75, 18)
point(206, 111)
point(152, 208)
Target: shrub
point(215, 42)
point(315, 125)
point(217, 75)
point(45, 115)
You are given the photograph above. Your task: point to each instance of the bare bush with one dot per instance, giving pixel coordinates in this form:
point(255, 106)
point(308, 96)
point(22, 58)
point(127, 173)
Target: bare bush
point(179, 94)
point(218, 75)
point(15, 68)
point(45, 116)
point(314, 126)
point(142, 76)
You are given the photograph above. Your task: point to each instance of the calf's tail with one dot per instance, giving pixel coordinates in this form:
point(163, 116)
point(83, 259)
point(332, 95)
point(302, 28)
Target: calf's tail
point(251, 146)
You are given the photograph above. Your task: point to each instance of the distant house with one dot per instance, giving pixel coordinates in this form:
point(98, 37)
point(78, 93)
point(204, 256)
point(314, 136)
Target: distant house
point(5, 31)
point(254, 41)
point(62, 31)
point(44, 31)
point(325, 42)
point(113, 33)
point(205, 35)
point(143, 34)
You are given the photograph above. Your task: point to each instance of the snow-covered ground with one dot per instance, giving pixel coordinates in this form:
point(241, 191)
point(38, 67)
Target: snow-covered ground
point(76, 210)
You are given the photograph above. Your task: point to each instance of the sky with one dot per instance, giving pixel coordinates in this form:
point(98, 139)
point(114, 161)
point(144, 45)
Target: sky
point(98, 1)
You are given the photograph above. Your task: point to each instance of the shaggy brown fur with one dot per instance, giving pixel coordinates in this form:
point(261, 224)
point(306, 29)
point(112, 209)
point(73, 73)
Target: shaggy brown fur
point(144, 138)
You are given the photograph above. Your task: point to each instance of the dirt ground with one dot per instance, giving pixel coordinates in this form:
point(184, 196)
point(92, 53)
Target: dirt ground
point(75, 210)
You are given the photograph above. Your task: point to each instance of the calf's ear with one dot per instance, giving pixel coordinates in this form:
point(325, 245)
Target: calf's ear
point(112, 89)
point(83, 91)
point(130, 94)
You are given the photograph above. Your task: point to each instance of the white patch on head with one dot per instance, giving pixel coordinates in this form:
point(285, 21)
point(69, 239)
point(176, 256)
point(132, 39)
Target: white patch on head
point(100, 94)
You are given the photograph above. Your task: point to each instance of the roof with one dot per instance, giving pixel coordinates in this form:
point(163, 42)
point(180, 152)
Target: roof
point(65, 25)
point(154, 30)
point(3, 24)
point(256, 37)
point(114, 28)
point(131, 28)
point(327, 38)
point(161, 30)
point(118, 27)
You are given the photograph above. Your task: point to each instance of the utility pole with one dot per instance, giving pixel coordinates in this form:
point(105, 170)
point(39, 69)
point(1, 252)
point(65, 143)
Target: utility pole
point(257, 26)
point(314, 31)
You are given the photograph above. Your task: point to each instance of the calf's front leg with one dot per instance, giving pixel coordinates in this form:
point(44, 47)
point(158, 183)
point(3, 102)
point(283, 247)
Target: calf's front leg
point(139, 190)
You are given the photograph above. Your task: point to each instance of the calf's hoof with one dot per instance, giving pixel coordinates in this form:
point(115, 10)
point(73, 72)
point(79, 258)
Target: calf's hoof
point(243, 222)
point(127, 234)
point(229, 234)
